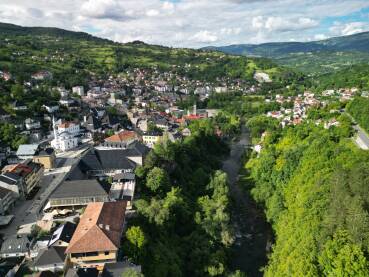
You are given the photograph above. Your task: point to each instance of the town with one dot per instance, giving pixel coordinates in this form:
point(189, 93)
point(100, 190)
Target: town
point(66, 195)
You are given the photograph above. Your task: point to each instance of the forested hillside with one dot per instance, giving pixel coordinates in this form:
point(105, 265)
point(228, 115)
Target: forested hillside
point(359, 109)
point(314, 57)
point(72, 56)
point(313, 185)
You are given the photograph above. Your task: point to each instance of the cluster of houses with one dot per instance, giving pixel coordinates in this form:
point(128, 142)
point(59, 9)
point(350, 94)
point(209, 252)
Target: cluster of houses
point(85, 216)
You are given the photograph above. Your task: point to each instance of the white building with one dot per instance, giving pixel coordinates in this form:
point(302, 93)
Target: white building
point(79, 90)
point(65, 137)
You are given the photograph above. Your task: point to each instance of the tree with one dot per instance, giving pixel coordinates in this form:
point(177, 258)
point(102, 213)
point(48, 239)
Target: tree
point(157, 179)
point(130, 272)
point(136, 238)
point(342, 258)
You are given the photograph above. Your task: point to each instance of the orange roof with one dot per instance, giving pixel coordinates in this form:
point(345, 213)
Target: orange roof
point(100, 228)
point(122, 136)
point(66, 125)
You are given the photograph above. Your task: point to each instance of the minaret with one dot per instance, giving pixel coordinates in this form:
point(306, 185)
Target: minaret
point(195, 109)
point(54, 128)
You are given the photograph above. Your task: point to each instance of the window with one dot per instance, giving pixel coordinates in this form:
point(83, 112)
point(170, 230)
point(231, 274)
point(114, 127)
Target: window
point(106, 253)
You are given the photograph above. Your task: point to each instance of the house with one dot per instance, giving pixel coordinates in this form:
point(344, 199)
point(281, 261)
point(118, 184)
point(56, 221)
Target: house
point(15, 246)
point(46, 157)
point(62, 235)
point(104, 163)
point(186, 132)
point(42, 75)
point(79, 90)
point(7, 200)
point(151, 138)
point(78, 193)
point(97, 238)
point(12, 182)
point(4, 115)
point(27, 151)
point(123, 188)
point(30, 172)
point(82, 272)
point(31, 123)
point(120, 140)
point(50, 259)
point(117, 269)
point(51, 108)
point(19, 106)
point(91, 123)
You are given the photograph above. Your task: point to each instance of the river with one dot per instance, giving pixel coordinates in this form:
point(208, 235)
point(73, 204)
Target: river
point(253, 232)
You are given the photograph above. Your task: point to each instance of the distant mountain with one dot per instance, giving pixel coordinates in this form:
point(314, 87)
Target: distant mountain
point(15, 30)
point(353, 43)
point(324, 55)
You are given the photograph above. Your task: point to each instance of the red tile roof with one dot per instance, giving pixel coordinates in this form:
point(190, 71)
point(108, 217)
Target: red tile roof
point(100, 228)
point(122, 136)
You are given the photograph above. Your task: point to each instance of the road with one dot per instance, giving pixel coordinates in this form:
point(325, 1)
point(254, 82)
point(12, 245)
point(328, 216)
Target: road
point(253, 233)
point(362, 139)
point(27, 211)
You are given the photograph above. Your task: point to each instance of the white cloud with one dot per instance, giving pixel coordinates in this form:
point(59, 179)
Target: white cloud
point(280, 24)
point(204, 37)
point(351, 28)
point(190, 23)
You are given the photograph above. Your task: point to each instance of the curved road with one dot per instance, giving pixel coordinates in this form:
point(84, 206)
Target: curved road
point(253, 233)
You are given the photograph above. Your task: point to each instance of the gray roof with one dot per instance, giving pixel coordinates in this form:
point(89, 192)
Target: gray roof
point(4, 192)
point(15, 244)
point(82, 272)
point(79, 188)
point(116, 269)
point(124, 176)
point(50, 256)
point(27, 149)
point(106, 160)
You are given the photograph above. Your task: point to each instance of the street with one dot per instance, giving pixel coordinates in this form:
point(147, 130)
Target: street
point(362, 139)
point(26, 212)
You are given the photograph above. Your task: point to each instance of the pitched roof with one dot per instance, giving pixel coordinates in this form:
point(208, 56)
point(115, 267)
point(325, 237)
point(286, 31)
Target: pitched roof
point(50, 256)
point(117, 269)
point(82, 272)
point(27, 149)
point(63, 233)
point(106, 160)
point(100, 228)
point(79, 188)
point(122, 136)
point(15, 244)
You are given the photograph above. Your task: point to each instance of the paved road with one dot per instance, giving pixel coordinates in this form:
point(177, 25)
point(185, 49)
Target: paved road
point(27, 211)
point(362, 138)
point(252, 231)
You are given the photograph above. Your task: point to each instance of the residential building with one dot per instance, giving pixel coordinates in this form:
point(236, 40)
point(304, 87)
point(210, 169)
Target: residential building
point(123, 188)
point(27, 151)
point(120, 140)
point(15, 246)
point(62, 235)
point(7, 199)
point(151, 138)
point(50, 259)
point(82, 272)
point(30, 172)
point(97, 238)
point(46, 157)
point(79, 90)
point(78, 193)
point(31, 123)
point(117, 269)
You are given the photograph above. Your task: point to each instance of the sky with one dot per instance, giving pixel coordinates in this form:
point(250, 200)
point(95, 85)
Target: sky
point(195, 23)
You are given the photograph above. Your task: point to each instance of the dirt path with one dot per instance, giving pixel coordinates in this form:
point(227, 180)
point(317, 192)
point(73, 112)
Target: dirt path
point(252, 231)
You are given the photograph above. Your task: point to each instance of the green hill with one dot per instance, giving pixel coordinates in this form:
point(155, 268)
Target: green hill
point(317, 56)
point(24, 50)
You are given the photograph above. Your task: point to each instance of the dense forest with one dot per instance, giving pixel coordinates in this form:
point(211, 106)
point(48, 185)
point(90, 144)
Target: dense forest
point(359, 110)
point(313, 184)
point(183, 224)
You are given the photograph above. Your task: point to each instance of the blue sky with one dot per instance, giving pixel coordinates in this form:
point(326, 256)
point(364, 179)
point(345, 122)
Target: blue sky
point(195, 23)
